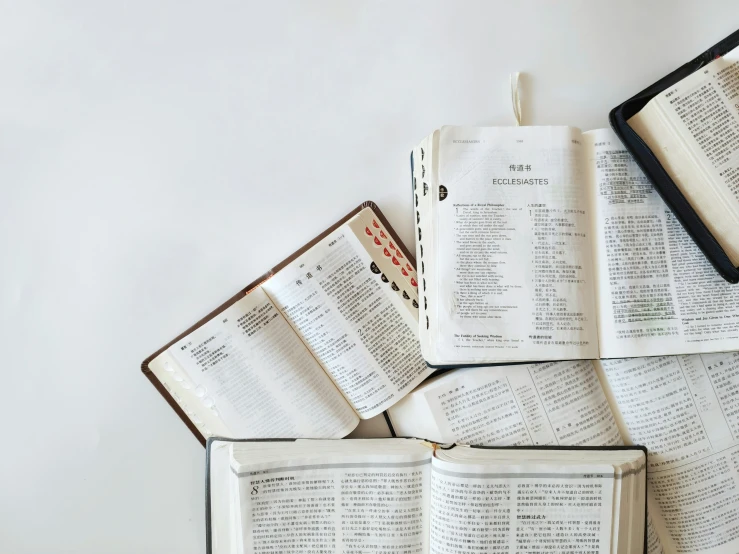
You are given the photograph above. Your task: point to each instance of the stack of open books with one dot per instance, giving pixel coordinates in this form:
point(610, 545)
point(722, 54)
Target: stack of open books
point(555, 324)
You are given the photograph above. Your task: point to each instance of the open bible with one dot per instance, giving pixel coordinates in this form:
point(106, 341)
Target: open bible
point(326, 338)
point(693, 130)
point(686, 145)
point(684, 409)
point(413, 497)
point(547, 243)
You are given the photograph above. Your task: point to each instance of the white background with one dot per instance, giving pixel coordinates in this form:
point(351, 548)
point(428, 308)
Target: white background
point(156, 156)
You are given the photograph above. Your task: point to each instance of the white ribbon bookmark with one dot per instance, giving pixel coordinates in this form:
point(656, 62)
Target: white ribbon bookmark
point(515, 99)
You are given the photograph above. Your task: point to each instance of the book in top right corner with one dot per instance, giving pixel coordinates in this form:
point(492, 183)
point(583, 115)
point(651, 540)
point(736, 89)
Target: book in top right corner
point(548, 243)
point(692, 128)
point(683, 131)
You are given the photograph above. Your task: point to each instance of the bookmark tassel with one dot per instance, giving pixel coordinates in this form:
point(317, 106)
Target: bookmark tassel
point(432, 445)
point(515, 98)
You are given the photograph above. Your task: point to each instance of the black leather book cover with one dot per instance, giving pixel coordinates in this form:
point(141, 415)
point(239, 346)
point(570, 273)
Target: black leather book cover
point(654, 171)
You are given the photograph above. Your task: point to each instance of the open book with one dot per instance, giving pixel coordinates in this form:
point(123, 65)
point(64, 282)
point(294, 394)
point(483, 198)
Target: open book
point(546, 243)
point(410, 496)
point(684, 409)
point(692, 128)
point(326, 338)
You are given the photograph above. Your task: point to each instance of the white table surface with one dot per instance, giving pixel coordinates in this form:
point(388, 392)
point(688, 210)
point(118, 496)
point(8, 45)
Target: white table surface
point(157, 156)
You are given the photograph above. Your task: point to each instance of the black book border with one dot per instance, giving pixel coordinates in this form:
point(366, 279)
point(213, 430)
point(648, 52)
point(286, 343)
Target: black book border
point(661, 181)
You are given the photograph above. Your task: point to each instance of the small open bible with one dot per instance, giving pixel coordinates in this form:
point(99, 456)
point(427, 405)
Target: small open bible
point(324, 339)
point(683, 131)
point(412, 496)
point(693, 129)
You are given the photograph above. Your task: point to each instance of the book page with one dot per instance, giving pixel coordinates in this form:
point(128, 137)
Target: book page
point(336, 503)
point(654, 546)
point(657, 293)
point(685, 410)
point(250, 372)
point(556, 403)
point(520, 508)
point(693, 130)
point(358, 326)
point(513, 269)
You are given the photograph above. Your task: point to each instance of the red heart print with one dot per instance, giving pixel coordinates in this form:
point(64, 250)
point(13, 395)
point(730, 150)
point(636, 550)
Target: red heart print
point(383, 235)
point(403, 271)
point(367, 230)
point(414, 282)
point(395, 261)
point(377, 242)
point(387, 252)
point(377, 225)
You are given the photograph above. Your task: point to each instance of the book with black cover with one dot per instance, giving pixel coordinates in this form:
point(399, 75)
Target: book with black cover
point(663, 175)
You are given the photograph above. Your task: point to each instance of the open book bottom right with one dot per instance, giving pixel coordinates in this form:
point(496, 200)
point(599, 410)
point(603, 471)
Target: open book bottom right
point(683, 409)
